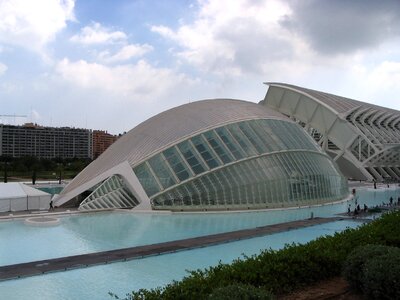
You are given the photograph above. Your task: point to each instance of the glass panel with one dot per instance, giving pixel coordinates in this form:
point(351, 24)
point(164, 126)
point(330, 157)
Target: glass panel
point(263, 136)
point(241, 139)
point(252, 137)
point(161, 170)
point(276, 141)
point(176, 163)
point(281, 179)
point(237, 152)
point(192, 158)
point(218, 147)
point(205, 151)
point(146, 179)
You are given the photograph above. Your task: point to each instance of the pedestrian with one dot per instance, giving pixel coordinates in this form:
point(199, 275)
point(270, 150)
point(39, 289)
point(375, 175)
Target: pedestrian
point(349, 209)
point(391, 201)
point(358, 207)
point(51, 205)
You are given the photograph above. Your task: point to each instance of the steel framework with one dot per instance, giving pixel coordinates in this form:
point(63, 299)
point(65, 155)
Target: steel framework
point(363, 139)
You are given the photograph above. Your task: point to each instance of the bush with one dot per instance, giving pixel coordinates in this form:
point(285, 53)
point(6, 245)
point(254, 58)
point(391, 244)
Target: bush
point(239, 292)
point(382, 276)
point(282, 271)
point(354, 264)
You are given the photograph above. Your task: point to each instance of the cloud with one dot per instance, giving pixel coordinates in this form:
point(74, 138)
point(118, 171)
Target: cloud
point(139, 80)
point(125, 53)
point(341, 27)
point(3, 68)
point(386, 75)
point(98, 34)
point(233, 38)
point(33, 24)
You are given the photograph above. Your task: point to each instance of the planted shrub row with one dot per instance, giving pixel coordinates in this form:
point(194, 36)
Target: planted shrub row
point(375, 271)
point(284, 270)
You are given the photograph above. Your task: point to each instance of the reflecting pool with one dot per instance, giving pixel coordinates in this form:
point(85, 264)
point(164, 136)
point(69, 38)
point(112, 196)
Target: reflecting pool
point(104, 231)
point(95, 232)
point(120, 278)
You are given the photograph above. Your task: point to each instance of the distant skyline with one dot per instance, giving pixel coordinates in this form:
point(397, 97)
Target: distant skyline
point(110, 65)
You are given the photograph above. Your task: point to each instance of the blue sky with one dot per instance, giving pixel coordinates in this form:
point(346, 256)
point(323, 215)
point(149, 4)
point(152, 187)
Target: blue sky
point(112, 64)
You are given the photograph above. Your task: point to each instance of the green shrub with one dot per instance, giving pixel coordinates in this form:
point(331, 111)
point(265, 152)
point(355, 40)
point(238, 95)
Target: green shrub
point(282, 271)
point(354, 264)
point(239, 292)
point(382, 276)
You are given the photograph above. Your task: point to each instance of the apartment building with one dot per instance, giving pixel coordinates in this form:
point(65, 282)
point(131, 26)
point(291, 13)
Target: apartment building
point(101, 141)
point(45, 142)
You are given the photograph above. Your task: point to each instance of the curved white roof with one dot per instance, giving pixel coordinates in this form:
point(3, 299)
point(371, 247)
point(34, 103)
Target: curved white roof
point(364, 138)
point(171, 127)
point(337, 103)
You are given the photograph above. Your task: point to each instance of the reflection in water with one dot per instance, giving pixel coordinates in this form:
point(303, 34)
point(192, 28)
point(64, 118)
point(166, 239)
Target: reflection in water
point(105, 231)
point(119, 230)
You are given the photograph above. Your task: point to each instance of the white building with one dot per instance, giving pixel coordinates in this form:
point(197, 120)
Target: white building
point(363, 139)
point(209, 155)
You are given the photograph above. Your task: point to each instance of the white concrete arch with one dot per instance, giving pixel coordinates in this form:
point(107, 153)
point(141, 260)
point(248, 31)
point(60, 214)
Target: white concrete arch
point(364, 133)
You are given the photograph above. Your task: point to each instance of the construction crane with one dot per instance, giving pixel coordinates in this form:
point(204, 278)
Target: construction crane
point(12, 116)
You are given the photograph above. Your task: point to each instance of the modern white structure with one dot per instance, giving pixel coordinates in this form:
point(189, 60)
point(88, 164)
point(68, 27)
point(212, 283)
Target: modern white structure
point(16, 196)
point(362, 138)
point(209, 155)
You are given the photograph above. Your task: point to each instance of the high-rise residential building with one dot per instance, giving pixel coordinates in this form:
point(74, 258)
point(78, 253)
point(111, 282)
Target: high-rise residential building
point(101, 141)
point(45, 142)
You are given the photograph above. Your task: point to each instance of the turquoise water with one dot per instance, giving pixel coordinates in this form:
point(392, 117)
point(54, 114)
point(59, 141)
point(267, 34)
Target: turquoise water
point(51, 190)
point(106, 231)
point(120, 278)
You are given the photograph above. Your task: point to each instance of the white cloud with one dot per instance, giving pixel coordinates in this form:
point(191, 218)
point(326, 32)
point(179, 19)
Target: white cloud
point(248, 40)
point(125, 53)
point(139, 80)
point(98, 34)
point(165, 32)
point(233, 37)
point(377, 84)
point(32, 24)
point(386, 75)
point(3, 68)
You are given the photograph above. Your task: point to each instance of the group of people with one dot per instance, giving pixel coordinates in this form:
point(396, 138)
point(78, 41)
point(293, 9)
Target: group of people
point(357, 209)
point(391, 202)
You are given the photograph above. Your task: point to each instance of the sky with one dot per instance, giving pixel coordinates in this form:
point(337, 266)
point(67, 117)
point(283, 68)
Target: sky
point(110, 65)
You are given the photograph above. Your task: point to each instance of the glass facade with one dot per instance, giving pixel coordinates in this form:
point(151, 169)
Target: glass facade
point(248, 164)
point(111, 193)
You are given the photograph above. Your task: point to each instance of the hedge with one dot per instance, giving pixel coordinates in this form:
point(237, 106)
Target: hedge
point(282, 271)
point(381, 276)
point(375, 271)
point(353, 269)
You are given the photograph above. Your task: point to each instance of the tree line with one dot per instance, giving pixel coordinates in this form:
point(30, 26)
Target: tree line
point(34, 167)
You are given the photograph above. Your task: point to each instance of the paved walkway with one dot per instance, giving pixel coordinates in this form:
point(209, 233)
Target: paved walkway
point(85, 260)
